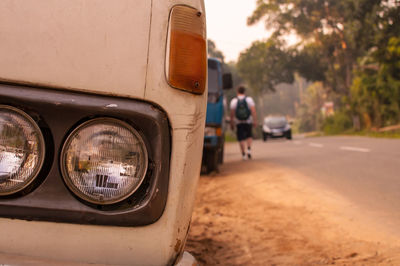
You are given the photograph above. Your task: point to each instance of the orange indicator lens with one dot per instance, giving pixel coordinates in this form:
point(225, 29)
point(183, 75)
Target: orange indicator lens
point(187, 50)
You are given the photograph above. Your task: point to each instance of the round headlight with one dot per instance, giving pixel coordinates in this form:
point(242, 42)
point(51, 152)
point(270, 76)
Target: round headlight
point(21, 150)
point(104, 161)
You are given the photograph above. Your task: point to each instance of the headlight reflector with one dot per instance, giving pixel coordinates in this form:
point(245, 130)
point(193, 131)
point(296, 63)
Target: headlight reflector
point(104, 161)
point(22, 150)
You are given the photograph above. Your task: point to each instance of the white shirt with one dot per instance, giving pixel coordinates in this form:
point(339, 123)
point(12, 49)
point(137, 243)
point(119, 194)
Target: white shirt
point(250, 103)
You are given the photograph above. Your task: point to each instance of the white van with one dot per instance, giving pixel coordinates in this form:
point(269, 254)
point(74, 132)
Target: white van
point(102, 112)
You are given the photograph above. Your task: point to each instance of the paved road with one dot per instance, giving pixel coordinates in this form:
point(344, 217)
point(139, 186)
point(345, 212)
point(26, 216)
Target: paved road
point(364, 170)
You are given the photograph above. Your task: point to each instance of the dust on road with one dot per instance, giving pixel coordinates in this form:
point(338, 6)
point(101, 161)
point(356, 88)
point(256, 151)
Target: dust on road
point(256, 213)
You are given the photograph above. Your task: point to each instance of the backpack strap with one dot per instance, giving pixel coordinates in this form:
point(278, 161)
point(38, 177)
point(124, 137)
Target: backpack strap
point(244, 99)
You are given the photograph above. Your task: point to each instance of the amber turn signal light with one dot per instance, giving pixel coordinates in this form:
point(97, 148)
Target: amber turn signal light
point(186, 50)
point(218, 131)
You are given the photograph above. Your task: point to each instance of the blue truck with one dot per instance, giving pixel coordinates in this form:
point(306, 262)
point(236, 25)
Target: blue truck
point(218, 81)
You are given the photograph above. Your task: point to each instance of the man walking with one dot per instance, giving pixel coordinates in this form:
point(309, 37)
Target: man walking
point(243, 113)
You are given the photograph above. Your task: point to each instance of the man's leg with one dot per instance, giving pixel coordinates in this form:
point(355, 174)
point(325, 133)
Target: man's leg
point(249, 140)
point(241, 139)
point(242, 148)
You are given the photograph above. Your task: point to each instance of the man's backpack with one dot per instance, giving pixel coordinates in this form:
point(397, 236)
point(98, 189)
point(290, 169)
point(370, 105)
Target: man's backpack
point(242, 109)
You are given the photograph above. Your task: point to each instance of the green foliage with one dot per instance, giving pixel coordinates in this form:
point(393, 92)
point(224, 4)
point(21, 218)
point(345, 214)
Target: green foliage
point(375, 92)
point(309, 63)
point(338, 123)
point(309, 116)
point(351, 46)
point(264, 65)
point(213, 51)
point(230, 136)
point(333, 34)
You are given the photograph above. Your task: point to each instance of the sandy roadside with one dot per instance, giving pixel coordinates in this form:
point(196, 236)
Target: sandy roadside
point(256, 213)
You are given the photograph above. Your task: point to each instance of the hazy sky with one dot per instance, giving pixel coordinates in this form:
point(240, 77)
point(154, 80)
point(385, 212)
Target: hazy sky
point(227, 26)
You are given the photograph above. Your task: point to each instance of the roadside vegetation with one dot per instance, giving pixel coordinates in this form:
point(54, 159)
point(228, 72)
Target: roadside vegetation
point(340, 75)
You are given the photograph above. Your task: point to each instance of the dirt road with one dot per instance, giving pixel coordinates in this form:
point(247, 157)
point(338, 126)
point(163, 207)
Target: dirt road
point(258, 213)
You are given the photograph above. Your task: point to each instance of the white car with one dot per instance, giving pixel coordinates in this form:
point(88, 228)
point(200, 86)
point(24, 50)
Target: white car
point(276, 127)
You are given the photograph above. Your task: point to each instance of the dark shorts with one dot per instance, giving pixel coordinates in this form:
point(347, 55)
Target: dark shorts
point(244, 131)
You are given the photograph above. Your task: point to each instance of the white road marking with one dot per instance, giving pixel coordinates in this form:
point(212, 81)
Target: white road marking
point(316, 145)
point(348, 148)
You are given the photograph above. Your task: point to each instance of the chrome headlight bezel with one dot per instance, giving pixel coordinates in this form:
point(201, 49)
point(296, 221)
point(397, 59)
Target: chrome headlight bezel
point(48, 198)
point(41, 150)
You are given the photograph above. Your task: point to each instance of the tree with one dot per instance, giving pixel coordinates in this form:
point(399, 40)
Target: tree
point(336, 32)
point(309, 111)
point(213, 51)
point(375, 92)
point(264, 65)
point(337, 38)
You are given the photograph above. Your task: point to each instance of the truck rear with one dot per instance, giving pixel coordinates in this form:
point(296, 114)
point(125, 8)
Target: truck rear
point(214, 134)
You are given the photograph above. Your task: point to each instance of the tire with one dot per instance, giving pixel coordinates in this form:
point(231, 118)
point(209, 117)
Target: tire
point(289, 135)
point(212, 160)
point(265, 136)
point(221, 155)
